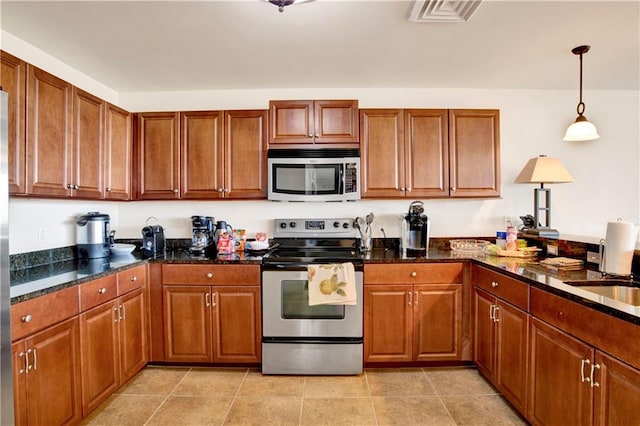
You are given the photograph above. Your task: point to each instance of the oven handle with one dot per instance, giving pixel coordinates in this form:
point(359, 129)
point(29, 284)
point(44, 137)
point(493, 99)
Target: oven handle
point(322, 340)
point(300, 266)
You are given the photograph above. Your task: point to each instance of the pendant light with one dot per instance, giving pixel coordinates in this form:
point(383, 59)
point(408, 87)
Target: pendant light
point(582, 129)
point(283, 3)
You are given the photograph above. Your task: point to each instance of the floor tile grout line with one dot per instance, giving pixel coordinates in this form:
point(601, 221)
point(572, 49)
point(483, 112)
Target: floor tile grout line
point(244, 378)
point(439, 397)
point(167, 397)
point(373, 407)
point(304, 388)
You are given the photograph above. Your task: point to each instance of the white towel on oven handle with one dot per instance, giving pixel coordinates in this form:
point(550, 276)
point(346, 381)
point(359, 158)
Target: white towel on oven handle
point(332, 284)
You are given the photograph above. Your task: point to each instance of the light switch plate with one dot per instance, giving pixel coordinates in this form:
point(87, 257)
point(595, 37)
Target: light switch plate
point(552, 250)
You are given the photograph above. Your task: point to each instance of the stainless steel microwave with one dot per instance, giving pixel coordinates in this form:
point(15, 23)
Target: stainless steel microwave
point(327, 174)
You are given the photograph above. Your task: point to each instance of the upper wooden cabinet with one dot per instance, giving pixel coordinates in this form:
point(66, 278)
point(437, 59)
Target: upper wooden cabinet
point(12, 80)
point(158, 155)
point(474, 148)
point(423, 153)
point(314, 122)
point(202, 155)
point(117, 154)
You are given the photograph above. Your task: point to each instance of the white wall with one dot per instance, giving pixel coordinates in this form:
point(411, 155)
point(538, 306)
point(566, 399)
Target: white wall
point(606, 171)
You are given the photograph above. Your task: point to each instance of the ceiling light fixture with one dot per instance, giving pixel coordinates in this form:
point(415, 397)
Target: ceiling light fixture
point(283, 3)
point(581, 130)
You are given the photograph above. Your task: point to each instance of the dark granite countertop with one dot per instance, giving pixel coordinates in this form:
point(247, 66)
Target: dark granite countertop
point(36, 281)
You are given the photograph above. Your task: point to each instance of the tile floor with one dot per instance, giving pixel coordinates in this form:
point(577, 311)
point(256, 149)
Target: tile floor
point(240, 396)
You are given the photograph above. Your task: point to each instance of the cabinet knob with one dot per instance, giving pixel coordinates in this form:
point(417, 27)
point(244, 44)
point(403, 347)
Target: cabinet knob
point(220, 190)
point(494, 284)
point(134, 278)
point(414, 274)
point(108, 189)
point(175, 191)
point(453, 189)
point(102, 290)
point(402, 189)
point(310, 135)
point(26, 318)
point(209, 274)
point(227, 190)
point(69, 186)
point(76, 186)
point(317, 135)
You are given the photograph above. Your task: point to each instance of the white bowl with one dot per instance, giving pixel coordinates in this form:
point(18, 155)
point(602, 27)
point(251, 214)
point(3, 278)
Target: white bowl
point(119, 249)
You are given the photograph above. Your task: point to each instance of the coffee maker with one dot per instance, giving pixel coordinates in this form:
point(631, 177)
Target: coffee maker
point(92, 236)
point(417, 228)
point(202, 241)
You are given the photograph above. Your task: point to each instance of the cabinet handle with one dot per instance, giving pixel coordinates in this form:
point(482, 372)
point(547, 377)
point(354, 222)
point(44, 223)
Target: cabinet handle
point(227, 190)
point(206, 300)
point(213, 299)
point(76, 186)
point(317, 135)
point(416, 300)
point(26, 363)
point(495, 313)
point(123, 311)
point(410, 297)
point(209, 274)
point(134, 278)
point(69, 186)
point(107, 189)
point(408, 189)
point(414, 274)
point(492, 316)
point(582, 364)
point(175, 191)
point(35, 359)
point(494, 284)
point(102, 290)
point(116, 314)
point(310, 135)
point(594, 384)
point(453, 189)
point(402, 189)
point(220, 190)
point(26, 318)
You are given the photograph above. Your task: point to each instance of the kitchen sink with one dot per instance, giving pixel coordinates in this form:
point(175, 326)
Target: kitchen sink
point(621, 290)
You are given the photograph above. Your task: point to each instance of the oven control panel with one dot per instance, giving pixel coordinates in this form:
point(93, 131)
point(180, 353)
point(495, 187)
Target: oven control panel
point(305, 228)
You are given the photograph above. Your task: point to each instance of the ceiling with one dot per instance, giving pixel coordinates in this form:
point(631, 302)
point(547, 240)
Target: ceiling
point(158, 46)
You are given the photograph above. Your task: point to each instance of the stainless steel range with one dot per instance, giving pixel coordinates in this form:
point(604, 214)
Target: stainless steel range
point(302, 339)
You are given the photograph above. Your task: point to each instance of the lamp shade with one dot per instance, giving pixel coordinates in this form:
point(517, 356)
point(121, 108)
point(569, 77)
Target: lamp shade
point(581, 130)
point(544, 169)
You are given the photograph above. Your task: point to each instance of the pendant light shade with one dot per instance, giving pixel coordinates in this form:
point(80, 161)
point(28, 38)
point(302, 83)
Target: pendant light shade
point(582, 129)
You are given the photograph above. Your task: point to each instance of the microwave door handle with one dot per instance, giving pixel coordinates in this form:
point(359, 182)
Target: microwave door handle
point(342, 179)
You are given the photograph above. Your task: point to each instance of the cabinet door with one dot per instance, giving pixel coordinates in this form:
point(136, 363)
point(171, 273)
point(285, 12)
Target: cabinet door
point(99, 354)
point(292, 122)
point(474, 149)
point(20, 367)
point(511, 353)
point(382, 153)
point(426, 152)
point(158, 156)
point(484, 334)
point(336, 121)
point(88, 145)
point(201, 155)
point(49, 131)
point(132, 334)
point(53, 385)
point(117, 164)
point(388, 323)
point(237, 324)
point(187, 323)
point(245, 154)
point(617, 397)
point(557, 396)
point(437, 322)
point(12, 81)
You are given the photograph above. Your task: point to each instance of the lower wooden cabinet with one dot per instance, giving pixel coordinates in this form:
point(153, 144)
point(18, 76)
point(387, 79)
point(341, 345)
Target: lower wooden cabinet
point(219, 324)
point(617, 396)
point(501, 346)
point(413, 322)
point(46, 379)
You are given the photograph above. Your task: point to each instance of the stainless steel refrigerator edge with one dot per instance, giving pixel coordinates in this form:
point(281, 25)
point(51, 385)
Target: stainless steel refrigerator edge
point(6, 379)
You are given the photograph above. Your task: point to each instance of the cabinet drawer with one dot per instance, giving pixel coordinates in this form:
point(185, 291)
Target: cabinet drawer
point(36, 314)
point(211, 274)
point(132, 279)
point(612, 335)
point(414, 273)
point(97, 291)
point(513, 291)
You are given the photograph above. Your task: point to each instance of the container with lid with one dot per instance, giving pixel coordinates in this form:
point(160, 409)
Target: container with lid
point(92, 235)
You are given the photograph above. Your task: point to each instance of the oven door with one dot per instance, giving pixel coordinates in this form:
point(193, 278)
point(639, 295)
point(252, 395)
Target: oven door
point(286, 311)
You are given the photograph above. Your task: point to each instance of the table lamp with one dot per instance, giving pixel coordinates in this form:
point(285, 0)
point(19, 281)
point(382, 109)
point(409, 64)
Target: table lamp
point(543, 169)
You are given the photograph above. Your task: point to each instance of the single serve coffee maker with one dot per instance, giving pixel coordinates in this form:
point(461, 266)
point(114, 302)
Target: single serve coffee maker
point(415, 236)
point(202, 240)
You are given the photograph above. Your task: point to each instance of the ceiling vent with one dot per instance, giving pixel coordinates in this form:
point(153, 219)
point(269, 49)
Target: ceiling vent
point(443, 10)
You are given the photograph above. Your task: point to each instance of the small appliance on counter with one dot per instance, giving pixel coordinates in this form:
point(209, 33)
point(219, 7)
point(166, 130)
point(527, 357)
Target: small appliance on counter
point(224, 237)
point(93, 236)
point(415, 230)
point(152, 240)
point(203, 243)
point(616, 249)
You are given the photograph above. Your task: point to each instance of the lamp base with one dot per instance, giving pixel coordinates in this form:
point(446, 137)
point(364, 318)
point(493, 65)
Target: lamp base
point(542, 232)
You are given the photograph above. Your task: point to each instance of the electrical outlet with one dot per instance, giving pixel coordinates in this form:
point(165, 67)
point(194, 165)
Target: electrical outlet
point(552, 250)
point(41, 234)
